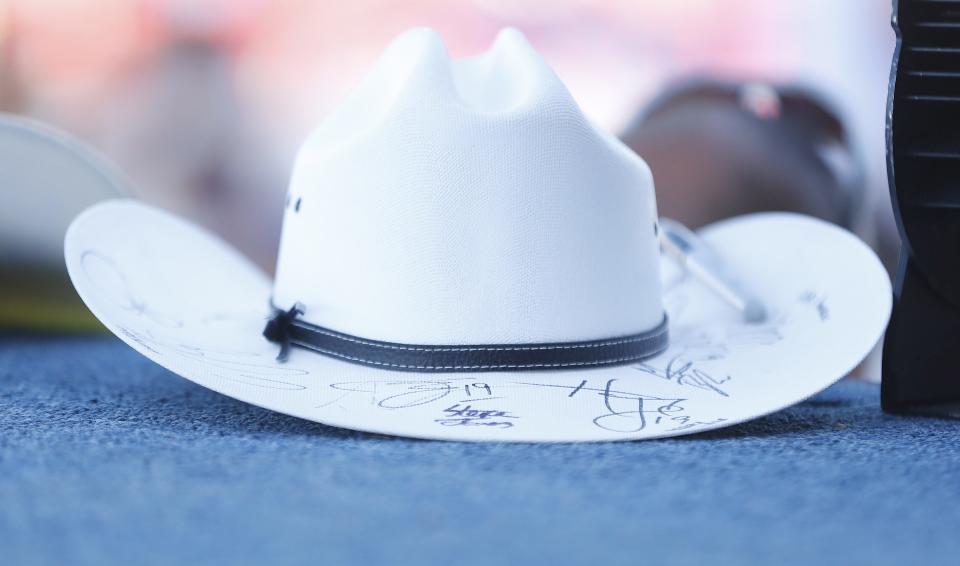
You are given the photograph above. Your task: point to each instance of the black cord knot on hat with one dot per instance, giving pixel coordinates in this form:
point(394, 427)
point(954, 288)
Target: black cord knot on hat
point(278, 329)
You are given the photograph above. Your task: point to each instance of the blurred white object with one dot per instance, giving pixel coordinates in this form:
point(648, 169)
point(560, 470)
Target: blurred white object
point(46, 178)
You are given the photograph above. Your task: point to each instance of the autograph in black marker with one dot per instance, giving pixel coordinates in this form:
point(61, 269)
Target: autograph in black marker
point(466, 415)
point(227, 366)
point(684, 372)
point(107, 277)
point(628, 412)
point(399, 394)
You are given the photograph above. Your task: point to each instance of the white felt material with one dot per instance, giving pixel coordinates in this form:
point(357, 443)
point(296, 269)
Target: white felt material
point(186, 300)
point(469, 202)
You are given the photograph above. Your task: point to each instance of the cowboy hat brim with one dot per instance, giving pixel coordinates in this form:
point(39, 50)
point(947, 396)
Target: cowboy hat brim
point(188, 301)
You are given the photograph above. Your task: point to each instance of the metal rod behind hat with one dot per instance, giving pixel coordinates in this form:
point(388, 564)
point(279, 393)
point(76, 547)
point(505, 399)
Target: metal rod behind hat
point(696, 257)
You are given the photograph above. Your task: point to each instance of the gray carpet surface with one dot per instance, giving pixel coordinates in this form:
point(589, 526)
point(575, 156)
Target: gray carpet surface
point(107, 458)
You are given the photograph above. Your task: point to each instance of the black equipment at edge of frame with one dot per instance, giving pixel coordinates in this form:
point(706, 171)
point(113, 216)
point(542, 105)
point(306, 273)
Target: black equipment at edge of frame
point(923, 168)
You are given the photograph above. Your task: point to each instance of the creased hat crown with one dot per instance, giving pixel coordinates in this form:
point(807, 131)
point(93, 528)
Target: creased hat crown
point(468, 202)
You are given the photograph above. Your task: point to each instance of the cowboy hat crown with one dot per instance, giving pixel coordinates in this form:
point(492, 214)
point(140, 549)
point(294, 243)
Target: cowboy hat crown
point(468, 202)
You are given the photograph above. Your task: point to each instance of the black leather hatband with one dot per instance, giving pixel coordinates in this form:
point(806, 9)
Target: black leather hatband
point(286, 329)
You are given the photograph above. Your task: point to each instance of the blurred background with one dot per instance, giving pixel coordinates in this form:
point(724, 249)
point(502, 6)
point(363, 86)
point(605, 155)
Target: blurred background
point(738, 105)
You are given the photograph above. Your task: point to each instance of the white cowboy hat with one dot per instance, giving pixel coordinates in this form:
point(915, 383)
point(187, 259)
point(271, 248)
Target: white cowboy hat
point(465, 256)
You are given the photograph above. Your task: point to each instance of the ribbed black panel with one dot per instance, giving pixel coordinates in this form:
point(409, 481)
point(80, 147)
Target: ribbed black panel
point(923, 150)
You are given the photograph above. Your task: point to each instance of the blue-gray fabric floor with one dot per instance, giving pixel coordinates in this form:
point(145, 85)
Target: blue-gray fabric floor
point(107, 458)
